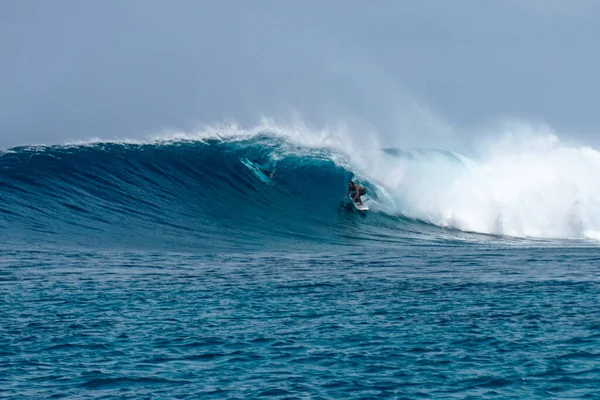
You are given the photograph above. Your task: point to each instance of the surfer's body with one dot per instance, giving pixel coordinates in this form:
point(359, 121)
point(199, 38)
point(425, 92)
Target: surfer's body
point(357, 191)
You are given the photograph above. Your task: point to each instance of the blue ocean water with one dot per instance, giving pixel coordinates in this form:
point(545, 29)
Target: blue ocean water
point(168, 270)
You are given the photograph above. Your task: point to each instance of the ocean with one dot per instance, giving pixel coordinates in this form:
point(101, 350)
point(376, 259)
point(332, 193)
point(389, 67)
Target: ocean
point(167, 269)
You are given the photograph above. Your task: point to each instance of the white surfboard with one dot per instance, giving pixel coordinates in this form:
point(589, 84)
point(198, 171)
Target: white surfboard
point(360, 207)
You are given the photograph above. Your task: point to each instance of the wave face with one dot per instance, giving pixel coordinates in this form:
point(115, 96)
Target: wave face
point(197, 194)
point(181, 194)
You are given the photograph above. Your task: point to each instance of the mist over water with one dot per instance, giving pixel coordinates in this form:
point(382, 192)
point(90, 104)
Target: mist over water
point(520, 183)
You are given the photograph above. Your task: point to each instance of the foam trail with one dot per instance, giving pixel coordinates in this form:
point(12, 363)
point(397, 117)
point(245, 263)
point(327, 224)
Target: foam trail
point(529, 185)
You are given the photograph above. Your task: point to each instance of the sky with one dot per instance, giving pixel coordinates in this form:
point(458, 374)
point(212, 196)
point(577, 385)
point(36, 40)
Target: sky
point(73, 70)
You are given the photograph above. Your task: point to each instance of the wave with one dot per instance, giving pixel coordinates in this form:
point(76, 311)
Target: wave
point(196, 193)
point(186, 193)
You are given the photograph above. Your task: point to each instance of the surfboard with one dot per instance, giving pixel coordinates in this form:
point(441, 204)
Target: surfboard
point(256, 170)
point(360, 207)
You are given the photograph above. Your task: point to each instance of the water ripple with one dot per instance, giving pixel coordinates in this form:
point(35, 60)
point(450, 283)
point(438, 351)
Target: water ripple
point(150, 325)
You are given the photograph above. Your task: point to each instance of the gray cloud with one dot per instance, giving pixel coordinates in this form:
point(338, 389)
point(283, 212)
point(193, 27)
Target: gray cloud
point(73, 70)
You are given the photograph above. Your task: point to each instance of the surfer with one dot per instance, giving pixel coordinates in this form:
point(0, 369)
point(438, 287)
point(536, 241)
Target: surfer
point(358, 190)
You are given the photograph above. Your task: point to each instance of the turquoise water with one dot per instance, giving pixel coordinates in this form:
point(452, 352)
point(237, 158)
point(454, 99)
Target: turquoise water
point(115, 282)
point(431, 322)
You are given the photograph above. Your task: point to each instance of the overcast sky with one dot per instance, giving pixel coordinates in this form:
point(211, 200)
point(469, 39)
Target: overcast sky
point(74, 69)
